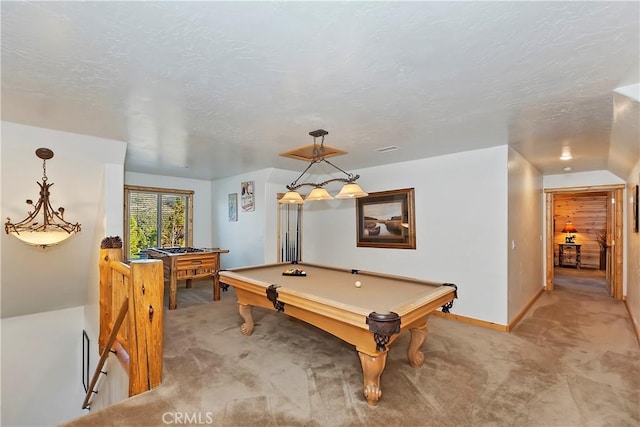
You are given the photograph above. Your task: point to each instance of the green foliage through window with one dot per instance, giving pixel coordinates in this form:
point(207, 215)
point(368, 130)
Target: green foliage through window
point(156, 219)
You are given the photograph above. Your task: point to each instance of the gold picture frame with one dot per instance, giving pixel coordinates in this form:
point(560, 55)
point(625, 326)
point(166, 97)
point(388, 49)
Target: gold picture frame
point(386, 219)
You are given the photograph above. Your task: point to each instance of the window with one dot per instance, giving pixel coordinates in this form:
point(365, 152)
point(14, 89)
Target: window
point(156, 217)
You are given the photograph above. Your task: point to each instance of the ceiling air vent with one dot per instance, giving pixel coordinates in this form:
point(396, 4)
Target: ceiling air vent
point(387, 149)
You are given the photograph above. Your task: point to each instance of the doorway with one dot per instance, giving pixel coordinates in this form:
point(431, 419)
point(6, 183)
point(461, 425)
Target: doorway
point(584, 235)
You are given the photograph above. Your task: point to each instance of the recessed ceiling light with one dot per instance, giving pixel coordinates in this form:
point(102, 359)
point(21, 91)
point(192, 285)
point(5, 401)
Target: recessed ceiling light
point(566, 154)
point(387, 149)
point(567, 169)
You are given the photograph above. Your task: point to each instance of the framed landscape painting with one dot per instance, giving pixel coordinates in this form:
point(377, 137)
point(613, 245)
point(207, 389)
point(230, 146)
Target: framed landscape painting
point(386, 220)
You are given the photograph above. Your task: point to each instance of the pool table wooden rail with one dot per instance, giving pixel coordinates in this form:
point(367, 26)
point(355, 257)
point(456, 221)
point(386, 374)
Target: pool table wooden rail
point(347, 322)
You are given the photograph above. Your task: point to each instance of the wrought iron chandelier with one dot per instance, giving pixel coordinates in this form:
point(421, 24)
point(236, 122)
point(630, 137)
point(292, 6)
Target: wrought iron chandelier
point(349, 191)
point(53, 229)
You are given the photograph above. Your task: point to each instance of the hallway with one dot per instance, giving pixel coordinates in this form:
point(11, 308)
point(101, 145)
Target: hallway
point(586, 280)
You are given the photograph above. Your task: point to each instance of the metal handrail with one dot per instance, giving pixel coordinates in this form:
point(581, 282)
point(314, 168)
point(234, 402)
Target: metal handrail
point(103, 358)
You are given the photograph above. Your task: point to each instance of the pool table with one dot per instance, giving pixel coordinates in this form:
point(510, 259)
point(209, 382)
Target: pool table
point(369, 315)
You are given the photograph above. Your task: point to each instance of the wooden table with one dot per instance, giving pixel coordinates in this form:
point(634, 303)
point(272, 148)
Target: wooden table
point(188, 264)
point(565, 258)
point(370, 317)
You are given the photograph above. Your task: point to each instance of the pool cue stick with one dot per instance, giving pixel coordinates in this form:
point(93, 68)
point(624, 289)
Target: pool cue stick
point(297, 234)
point(287, 237)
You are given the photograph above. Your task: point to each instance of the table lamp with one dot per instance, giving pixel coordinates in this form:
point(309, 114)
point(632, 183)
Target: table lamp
point(569, 229)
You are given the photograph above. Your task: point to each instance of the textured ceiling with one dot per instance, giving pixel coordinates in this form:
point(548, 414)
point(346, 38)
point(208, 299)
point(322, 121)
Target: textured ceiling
point(213, 89)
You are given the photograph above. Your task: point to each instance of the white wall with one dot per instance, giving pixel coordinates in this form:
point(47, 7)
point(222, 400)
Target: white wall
point(110, 218)
point(57, 281)
point(624, 147)
point(461, 228)
point(243, 238)
point(252, 239)
point(633, 255)
point(624, 161)
point(55, 277)
point(580, 179)
point(42, 368)
point(113, 387)
point(1, 179)
point(202, 221)
point(525, 242)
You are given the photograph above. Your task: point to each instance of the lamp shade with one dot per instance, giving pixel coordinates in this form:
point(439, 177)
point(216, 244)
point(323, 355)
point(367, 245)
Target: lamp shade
point(319, 193)
point(43, 238)
point(351, 191)
point(569, 228)
point(292, 197)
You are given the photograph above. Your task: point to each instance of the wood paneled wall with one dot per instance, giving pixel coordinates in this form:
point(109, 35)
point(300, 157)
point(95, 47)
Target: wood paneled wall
point(588, 213)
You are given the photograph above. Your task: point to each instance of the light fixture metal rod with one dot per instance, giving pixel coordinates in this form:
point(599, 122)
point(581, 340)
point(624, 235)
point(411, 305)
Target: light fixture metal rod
point(349, 179)
point(318, 156)
point(350, 175)
point(294, 184)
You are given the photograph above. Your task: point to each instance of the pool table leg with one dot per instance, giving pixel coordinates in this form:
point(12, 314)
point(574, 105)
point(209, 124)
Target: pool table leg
point(418, 335)
point(372, 367)
point(245, 312)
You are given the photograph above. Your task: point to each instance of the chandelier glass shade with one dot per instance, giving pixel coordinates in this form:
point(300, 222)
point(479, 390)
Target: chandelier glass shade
point(44, 226)
point(319, 193)
point(349, 190)
point(292, 197)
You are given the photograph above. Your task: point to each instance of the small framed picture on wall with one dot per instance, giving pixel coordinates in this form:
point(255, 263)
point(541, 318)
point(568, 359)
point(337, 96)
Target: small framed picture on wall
point(233, 207)
point(636, 226)
point(247, 200)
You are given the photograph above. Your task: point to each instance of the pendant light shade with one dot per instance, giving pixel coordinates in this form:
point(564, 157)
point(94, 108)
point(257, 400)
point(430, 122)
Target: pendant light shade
point(351, 191)
point(292, 197)
point(319, 193)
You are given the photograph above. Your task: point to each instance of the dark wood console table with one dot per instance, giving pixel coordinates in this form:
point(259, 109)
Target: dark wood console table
point(569, 255)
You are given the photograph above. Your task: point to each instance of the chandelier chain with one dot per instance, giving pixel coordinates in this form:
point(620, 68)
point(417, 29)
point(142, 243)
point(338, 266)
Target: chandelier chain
point(44, 170)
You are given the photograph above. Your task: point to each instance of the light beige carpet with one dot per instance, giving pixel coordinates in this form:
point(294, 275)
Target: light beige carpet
point(572, 361)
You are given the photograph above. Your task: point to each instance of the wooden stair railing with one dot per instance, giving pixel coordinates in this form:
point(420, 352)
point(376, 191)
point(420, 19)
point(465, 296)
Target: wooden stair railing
point(139, 287)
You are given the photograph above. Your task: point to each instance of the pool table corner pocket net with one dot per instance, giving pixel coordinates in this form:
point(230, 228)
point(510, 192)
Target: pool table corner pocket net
point(448, 306)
